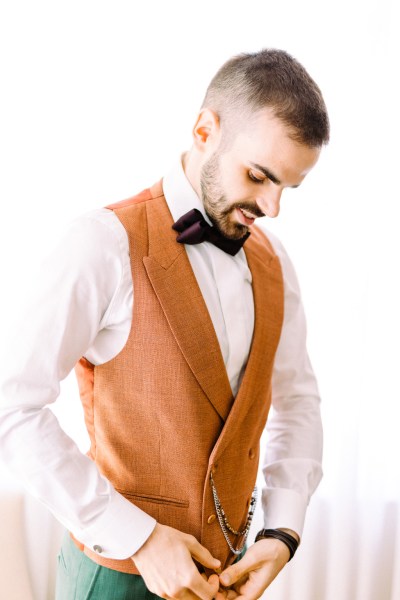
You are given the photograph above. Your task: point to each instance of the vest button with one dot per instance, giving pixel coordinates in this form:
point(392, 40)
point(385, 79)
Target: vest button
point(251, 453)
point(211, 519)
point(97, 549)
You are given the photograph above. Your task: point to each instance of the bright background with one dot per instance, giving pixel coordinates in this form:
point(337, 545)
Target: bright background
point(98, 99)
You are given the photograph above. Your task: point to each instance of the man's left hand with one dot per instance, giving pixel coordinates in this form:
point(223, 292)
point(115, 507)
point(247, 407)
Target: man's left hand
point(249, 577)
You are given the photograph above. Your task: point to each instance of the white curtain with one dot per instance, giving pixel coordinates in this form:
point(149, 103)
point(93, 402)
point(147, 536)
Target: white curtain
point(98, 99)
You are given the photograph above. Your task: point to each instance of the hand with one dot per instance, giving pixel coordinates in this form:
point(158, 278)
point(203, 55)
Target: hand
point(165, 562)
point(249, 577)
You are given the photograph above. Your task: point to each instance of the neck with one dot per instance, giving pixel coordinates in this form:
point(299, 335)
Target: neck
point(192, 169)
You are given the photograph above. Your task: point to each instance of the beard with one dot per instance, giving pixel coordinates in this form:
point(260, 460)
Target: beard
point(218, 208)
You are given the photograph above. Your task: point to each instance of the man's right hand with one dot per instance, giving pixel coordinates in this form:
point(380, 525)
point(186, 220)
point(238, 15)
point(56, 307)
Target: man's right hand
point(165, 562)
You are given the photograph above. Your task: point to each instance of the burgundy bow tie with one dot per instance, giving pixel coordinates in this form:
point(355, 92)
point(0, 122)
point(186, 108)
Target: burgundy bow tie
point(194, 229)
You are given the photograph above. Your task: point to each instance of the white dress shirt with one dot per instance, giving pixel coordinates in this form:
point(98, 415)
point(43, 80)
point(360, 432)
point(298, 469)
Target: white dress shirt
point(82, 306)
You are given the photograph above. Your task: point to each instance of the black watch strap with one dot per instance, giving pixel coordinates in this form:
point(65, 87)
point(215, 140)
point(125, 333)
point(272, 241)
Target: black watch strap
point(278, 534)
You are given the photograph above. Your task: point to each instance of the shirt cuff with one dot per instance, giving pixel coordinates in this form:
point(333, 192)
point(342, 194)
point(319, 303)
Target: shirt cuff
point(120, 530)
point(284, 508)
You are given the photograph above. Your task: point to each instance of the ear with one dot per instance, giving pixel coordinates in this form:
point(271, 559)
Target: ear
point(206, 131)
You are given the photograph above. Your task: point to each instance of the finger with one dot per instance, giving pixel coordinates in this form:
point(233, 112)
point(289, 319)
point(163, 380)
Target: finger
point(232, 594)
point(236, 571)
point(249, 593)
point(202, 555)
point(254, 585)
point(228, 594)
point(213, 580)
point(203, 588)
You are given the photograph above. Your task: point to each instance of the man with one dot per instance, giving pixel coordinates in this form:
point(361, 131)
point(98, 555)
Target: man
point(181, 335)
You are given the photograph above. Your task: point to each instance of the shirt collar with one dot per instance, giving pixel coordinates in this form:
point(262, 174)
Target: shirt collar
point(179, 194)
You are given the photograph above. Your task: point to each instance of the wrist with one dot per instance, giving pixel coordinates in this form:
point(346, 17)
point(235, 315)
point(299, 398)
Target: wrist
point(282, 535)
point(144, 547)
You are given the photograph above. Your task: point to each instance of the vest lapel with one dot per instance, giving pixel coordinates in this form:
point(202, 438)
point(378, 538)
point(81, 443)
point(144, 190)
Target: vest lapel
point(175, 285)
point(268, 308)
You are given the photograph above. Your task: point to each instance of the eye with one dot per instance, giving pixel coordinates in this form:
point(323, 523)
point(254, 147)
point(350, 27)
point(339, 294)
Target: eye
point(255, 179)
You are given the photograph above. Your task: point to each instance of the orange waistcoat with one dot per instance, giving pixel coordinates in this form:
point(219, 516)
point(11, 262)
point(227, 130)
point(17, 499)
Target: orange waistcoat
point(161, 415)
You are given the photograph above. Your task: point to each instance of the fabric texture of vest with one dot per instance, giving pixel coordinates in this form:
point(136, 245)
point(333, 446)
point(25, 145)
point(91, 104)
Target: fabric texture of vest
point(161, 415)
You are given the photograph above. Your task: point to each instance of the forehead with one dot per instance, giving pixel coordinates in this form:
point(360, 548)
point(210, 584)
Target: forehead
point(265, 140)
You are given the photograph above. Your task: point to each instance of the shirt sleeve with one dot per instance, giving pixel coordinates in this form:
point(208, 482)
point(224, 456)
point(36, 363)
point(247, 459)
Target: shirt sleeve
point(68, 308)
point(292, 465)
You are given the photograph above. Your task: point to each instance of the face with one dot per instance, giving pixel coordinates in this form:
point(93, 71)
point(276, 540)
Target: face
point(246, 181)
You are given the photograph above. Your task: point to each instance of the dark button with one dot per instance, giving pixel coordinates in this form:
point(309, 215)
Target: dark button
point(211, 519)
point(251, 453)
point(97, 549)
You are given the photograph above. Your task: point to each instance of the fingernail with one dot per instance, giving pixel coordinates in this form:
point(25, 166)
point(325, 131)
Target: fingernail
point(225, 579)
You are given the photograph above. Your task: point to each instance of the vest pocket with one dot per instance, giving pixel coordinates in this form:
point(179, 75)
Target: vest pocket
point(164, 500)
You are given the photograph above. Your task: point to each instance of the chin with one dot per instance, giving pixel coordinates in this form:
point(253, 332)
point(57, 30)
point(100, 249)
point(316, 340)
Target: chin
point(229, 227)
point(235, 231)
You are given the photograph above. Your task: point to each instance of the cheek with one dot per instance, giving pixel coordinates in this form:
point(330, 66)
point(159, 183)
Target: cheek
point(234, 187)
point(239, 194)
point(234, 181)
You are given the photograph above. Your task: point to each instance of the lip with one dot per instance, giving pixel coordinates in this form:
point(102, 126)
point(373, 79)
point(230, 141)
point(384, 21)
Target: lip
point(243, 219)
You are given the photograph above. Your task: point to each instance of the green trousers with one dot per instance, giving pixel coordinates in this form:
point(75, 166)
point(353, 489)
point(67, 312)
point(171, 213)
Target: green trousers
point(79, 578)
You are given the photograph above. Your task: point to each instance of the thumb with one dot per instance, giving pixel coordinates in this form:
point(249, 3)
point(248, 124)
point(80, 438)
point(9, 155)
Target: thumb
point(235, 572)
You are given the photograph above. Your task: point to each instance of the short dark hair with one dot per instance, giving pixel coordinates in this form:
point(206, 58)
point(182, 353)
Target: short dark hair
point(270, 78)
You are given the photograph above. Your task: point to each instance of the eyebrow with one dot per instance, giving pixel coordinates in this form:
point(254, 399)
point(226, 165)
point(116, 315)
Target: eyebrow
point(270, 175)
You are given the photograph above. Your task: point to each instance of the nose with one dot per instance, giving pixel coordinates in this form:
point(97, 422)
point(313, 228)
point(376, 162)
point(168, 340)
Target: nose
point(270, 202)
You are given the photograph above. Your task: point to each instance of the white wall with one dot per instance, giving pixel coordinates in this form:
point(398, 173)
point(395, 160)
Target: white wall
point(97, 100)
